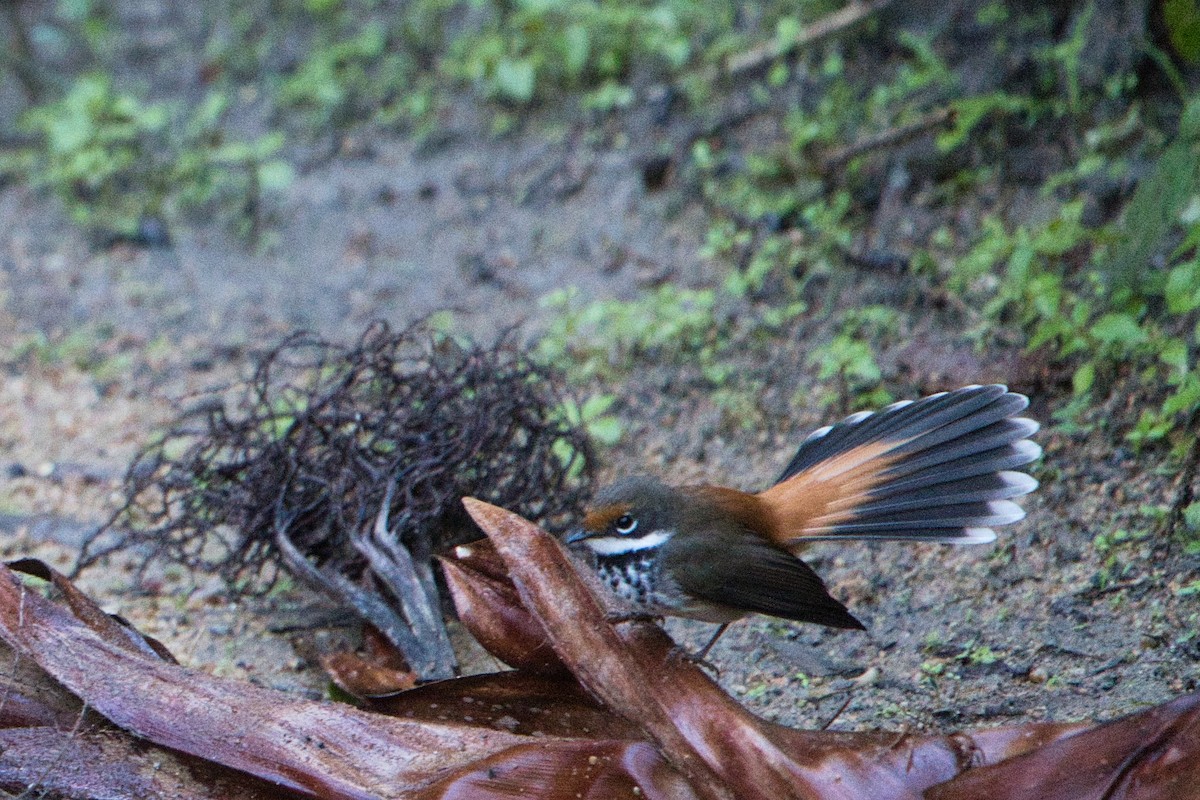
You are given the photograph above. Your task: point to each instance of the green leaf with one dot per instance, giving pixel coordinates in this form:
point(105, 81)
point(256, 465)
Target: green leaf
point(1119, 329)
point(1084, 377)
point(1189, 120)
point(209, 112)
point(971, 111)
point(1182, 291)
point(606, 430)
point(576, 48)
point(515, 78)
point(570, 412)
point(568, 456)
point(1186, 398)
point(1175, 355)
point(275, 176)
point(1182, 18)
point(610, 95)
point(787, 29)
point(1188, 589)
point(596, 405)
point(1191, 517)
point(1154, 210)
point(1150, 427)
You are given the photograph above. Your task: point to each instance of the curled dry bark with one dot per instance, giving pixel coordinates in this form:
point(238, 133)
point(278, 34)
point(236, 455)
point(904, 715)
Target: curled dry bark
point(723, 749)
point(597, 711)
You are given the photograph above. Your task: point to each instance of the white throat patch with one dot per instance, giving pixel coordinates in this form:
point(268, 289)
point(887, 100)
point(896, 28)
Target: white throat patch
point(620, 545)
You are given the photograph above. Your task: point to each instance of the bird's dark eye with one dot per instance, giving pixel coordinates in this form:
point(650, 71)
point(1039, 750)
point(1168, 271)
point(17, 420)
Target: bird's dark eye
point(625, 524)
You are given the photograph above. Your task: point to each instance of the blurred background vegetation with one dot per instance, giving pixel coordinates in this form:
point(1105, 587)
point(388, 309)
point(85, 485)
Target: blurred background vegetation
point(1067, 133)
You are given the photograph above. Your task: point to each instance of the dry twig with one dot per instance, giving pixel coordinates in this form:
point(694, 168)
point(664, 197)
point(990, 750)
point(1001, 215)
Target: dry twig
point(759, 57)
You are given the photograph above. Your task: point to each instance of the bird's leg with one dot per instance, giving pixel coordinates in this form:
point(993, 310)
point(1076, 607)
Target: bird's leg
point(699, 657)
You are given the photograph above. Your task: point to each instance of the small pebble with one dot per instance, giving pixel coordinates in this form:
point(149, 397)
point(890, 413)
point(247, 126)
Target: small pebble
point(868, 678)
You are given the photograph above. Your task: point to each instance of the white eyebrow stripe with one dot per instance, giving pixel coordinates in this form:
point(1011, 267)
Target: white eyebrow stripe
point(616, 545)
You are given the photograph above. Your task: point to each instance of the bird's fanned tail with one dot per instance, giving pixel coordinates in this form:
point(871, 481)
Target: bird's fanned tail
point(939, 469)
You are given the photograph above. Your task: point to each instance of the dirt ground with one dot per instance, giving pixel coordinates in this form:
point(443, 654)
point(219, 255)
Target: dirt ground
point(107, 344)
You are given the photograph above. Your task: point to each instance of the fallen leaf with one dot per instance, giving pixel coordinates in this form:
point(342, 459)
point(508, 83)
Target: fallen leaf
point(518, 702)
point(380, 670)
point(90, 764)
point(109, 627)
point(362, 678)
point(489, 606)
point(328, 750)
point(568, 771)
point(1151, 755)
point(701, 731)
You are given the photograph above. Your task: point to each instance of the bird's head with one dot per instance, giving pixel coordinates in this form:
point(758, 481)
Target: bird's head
point(631, 515)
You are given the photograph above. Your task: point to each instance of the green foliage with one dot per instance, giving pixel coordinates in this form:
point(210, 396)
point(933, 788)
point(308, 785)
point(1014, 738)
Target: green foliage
point(98, 155)
point(932, 669)
point(88, 348)
point(346, 76)
point(1066, 58)
point(667, 323)
point(539, 47)
point(979, 655)
point(594, 417)
point(1056, 91)
point(1107, 542)
point(1120, 316)
point(1093, 299)
point(360, 65)
point(847, 363)
point(970, 112)
point(787, 220)
point(601, 427)
point(691, 328)
point(1155, 208)
point(1189, 589)
point(1182, 19)
point(1120, 550)
point(1188, 531)
point(1191, 518)
point(116, 161)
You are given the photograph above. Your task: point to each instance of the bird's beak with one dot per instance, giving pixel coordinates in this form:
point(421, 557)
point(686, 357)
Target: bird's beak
point(576, 536)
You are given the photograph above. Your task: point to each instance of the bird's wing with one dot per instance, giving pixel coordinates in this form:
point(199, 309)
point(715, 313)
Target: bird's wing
point(937, 469)
point(750, 574)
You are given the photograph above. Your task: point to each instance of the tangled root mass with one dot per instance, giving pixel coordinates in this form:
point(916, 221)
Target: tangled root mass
point(321, 436)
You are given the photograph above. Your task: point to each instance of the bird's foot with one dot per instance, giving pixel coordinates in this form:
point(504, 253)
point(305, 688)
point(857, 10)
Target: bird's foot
point(681, 654)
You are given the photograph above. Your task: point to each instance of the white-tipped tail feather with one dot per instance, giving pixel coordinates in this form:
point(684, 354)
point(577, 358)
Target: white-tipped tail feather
point(939, 469)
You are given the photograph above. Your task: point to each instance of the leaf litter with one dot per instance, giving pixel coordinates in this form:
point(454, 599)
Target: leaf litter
point(632, 714)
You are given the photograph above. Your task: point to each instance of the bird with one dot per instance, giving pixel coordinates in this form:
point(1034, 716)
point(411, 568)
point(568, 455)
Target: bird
point(942, 468)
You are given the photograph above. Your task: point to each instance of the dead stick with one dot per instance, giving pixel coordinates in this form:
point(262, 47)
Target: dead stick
point(762, 55)
point(888, 138)
point(19, 57)
point(737, 65)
